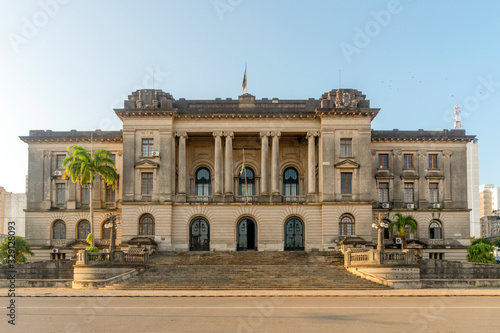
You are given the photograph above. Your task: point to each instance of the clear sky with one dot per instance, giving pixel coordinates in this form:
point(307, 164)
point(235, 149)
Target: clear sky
point(65, 64)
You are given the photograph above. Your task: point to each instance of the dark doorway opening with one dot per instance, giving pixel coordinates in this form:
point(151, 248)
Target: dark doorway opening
point(246, 235)
point(294, 234)
point(199, 235)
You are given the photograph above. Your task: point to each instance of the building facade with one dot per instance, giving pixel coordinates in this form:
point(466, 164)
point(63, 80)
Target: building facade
point(247, 174)
point(12, 206)
point(489, 199)
point(473, 188)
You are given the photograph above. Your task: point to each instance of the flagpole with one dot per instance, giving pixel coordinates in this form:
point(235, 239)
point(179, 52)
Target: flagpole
point(245, 170)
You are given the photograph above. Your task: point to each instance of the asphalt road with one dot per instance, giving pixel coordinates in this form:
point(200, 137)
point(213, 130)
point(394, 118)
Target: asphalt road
point(254, 314)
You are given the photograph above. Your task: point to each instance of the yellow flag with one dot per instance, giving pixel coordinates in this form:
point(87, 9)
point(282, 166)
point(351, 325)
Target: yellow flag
point(244, 84)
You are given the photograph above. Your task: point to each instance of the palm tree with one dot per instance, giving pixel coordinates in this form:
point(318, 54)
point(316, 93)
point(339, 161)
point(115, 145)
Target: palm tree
point(19, 244)
point(481, 252)
point(82, 166)
point(401, 223)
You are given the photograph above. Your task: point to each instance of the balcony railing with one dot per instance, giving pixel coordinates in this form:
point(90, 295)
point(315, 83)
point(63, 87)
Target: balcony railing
point(375, 257)
point(294, 198)
point(244, 198)
point(111, 258)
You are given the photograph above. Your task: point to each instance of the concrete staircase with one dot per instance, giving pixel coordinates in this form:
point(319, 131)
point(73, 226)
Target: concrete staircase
point(249, 270)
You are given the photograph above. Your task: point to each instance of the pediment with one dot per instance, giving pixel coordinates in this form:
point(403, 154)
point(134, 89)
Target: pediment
point(146, 164)
point(347, 164)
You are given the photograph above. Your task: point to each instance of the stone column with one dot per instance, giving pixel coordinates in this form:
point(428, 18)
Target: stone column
point(264, 173)
point(47, 188)
point(128, 166)
point(165, 169)
point(228, 166)
point(218, 163)
point(182, 163)
point(311, 162)
point(447, 178)
point(275, 163)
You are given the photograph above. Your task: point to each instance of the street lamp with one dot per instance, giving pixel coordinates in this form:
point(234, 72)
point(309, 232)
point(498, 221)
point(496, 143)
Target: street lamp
point(380, 225)
point(113, 223)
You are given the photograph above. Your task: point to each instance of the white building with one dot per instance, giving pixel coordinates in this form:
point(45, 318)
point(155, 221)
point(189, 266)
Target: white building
point(473, 188)
point(489, 196)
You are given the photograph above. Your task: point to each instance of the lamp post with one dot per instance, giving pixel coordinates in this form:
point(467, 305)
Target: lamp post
point(380, 225)
point(113, 223)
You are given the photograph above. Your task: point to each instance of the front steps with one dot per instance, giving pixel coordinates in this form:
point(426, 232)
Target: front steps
point(249, 270)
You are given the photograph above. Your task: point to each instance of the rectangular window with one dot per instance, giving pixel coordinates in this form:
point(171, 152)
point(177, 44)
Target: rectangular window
point(433, 161)
point(383, 192)
point(346, 182)
point(110, 193)
point(60, 192)
point(433, 192)
point(86, 194)
point(408, 193)
point(59, 161)
point(439, 256)
point(383, 161)
point(113, 157)
point(408, 161)
point(147, 183)
point(345, 147)
point(147, 147)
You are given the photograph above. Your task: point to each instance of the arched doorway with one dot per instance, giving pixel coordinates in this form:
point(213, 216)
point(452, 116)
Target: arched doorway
point(246, 235)
point(199, 235)
point(294, 234)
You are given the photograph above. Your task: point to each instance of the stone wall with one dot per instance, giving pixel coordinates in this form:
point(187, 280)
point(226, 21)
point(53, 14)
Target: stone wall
point(54, 269)
point(443, 269)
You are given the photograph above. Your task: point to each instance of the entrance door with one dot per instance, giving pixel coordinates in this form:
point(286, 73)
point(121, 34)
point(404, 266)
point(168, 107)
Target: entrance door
point(199, 235)
point(246, 235)
point(294, 234)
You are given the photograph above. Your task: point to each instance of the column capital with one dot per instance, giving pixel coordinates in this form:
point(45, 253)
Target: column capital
point(264, 134)
point(276, 133)
point(229, 134)
point(447, 153)
point(217, 134)
point(312, 134)
point(181, 134)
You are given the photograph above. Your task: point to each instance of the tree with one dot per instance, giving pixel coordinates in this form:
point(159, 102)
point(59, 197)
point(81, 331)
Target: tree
point(82, 166)
point(497, 242)
point(481, 253)
point(21, 247)
point(480, 241)
point(401, 223)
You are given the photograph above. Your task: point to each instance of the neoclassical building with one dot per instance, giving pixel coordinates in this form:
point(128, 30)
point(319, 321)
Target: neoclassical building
point(247, 174)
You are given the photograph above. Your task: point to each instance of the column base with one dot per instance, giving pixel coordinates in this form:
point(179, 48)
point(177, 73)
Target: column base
point(228, 197)
point(71, 205)
point(181, 197)
point(276, 198)
point(217, 198)
point(265, 198)
point(311, 198)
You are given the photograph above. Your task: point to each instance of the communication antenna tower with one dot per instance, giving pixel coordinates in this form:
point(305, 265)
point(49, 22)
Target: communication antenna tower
point(458, 117)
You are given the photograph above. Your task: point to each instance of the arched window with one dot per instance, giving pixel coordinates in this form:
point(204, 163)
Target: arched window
point(59, 230)
point(411, 234)
point(147, 225)
point(387, 232)
point(83, 229)
point(346, 225)
point(247, 182)
point(435, 230)
point(202, 182)
point(105, 232)
point(290, 182)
